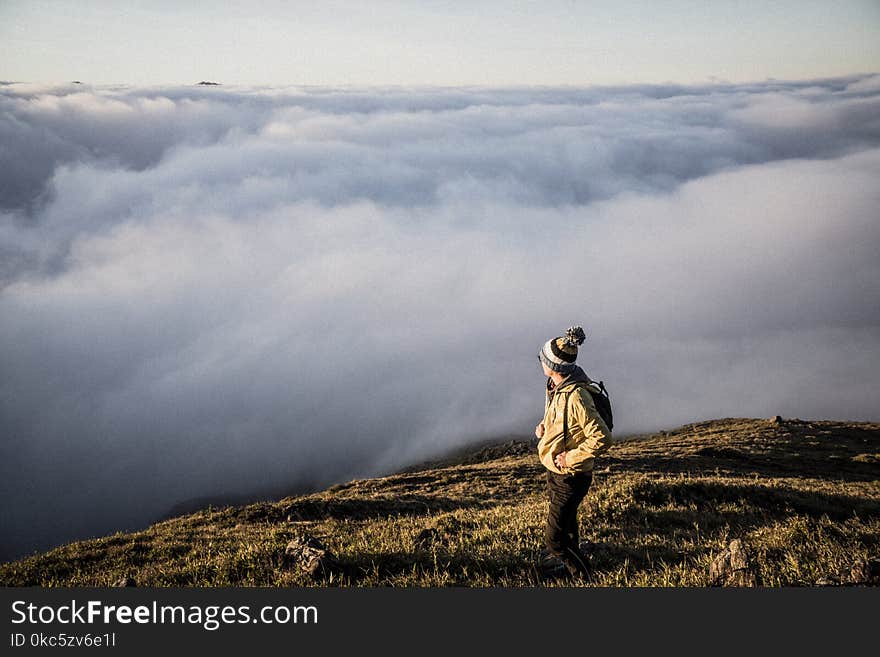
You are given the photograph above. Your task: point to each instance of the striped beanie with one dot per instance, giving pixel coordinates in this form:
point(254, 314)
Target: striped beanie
point(560, 353)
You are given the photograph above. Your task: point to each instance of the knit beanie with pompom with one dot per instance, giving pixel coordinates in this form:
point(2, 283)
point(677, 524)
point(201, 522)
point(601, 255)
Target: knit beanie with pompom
point(560, 353)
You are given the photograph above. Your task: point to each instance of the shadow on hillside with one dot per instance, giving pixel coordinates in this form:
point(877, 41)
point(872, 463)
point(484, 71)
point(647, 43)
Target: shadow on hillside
point(477, 483)
point(738, 501)
point(377, 507)
point(729, 460)
point(351, 508)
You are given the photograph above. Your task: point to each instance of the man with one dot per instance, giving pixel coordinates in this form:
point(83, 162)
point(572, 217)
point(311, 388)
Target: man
point(571, 435)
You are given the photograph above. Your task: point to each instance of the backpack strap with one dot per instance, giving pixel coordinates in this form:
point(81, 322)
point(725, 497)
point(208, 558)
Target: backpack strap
point(565, 419)
point(565, 413)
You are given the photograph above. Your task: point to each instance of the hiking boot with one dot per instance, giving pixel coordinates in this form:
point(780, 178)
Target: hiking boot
point(547, 561)
point(550, 573)
point(548, 567)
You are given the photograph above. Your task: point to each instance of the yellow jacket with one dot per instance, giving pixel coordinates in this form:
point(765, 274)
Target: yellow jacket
point(587, 434)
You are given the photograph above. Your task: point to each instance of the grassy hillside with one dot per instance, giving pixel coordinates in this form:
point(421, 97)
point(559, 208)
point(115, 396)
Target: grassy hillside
point(804, 497)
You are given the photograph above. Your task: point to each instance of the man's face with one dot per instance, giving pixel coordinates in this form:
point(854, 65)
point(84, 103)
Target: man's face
point(547, 370)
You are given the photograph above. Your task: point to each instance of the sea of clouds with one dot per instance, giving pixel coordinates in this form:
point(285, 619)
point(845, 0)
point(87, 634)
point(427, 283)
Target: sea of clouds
point(228, 291)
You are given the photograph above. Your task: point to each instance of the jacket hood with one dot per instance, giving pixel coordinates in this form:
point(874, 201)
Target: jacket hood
point(577, 376)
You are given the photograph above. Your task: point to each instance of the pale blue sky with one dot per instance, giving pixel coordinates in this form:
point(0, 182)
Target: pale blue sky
point(435, 42)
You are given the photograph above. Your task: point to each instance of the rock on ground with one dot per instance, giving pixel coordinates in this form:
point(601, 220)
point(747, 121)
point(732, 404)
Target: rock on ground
point(308, 554)
point(125, 582)
point(732, 567)
point(865, 571)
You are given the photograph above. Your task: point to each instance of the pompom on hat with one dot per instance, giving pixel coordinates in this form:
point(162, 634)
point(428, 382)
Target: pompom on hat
point(559, 354)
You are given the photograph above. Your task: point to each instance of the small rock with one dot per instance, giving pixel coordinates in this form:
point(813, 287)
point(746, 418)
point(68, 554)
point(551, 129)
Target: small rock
point(731, 567)
point(864, 571)
point(125, 582)
point(777, 420)
point(738, 558)
point(308, 554)
point(825, 581)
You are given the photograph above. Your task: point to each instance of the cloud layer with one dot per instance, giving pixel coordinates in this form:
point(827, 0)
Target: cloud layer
point(220, 291)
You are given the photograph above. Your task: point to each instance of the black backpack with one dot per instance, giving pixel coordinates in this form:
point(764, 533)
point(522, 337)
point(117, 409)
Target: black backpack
point(603, 404)
point(601, 399)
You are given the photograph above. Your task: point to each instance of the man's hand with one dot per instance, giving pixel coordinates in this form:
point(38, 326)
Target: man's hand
point(560, 460)
point(539, 430)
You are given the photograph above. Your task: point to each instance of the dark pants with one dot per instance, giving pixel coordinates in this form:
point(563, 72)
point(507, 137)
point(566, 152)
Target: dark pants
point(561, 533)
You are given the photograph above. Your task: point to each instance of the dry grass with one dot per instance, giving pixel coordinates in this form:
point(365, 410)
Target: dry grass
point(803, 496)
